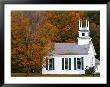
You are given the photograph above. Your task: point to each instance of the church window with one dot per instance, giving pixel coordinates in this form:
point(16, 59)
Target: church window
point(50, 64)
point(66, 63)
point(83, 34)
point(80, 63)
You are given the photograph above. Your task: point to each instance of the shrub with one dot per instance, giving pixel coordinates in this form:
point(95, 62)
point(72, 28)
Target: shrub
point(89, 71)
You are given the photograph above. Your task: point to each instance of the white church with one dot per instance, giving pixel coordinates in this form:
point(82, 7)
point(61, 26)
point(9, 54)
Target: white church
point(73, 58)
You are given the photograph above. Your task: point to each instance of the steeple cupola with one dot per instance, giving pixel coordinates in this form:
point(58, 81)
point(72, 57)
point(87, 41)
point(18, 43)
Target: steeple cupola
point(83, 33)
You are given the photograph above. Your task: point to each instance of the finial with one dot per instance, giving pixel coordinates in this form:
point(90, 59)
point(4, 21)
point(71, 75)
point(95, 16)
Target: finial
point(81, 22)
point(86, 23)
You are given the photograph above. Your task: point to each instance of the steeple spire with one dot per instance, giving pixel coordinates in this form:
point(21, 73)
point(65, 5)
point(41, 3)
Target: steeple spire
point(80, 23)
point(83, 33)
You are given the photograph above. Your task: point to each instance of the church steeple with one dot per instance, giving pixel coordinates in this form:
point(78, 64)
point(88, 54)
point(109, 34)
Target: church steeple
point(83, 33)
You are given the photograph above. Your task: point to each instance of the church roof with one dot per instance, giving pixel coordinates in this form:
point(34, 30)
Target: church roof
point(71, 49)
point(97, 61)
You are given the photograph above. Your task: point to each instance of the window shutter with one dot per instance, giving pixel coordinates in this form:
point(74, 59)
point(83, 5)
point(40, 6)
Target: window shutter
point(74, 63)
point(69, 63)
point(46, 64)
point(53, 63)
point(82, 63)
point(62, 63)
point(46, 67)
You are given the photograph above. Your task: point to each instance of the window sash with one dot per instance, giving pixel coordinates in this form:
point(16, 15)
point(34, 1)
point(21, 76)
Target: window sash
point(83, 34)
point(50, 65)
point(66, 63)
point(81, 60)
point(79, 63)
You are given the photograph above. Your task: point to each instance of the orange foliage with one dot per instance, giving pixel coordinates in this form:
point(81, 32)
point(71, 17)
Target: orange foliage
point(34, 34)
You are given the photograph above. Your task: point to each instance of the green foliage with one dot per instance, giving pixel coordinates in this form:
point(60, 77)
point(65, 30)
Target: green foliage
point(90, 71)
point(94, 18)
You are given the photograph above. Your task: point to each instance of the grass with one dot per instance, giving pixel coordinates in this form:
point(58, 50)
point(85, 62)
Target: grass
point(51, 75)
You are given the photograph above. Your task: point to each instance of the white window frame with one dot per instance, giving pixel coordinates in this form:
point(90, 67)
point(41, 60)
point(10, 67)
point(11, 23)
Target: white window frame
point(64, 64)
point(52, 64)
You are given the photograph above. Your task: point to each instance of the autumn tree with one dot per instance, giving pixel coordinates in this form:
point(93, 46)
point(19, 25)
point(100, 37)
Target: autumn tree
point(25, 49)
point(66, 22)
point(32, 37)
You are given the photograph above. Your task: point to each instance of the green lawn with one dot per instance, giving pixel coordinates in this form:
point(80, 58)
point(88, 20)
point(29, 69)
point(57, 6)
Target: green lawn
point(51, 75)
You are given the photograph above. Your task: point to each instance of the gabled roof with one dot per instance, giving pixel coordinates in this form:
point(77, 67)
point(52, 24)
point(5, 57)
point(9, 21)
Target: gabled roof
point(71, 49)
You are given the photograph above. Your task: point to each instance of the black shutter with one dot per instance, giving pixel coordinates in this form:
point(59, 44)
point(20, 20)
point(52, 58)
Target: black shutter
point(53, 63)
point(74, 63)
point(62, 63)
point(82, 63)
point(46, 64)
point(69, 63)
